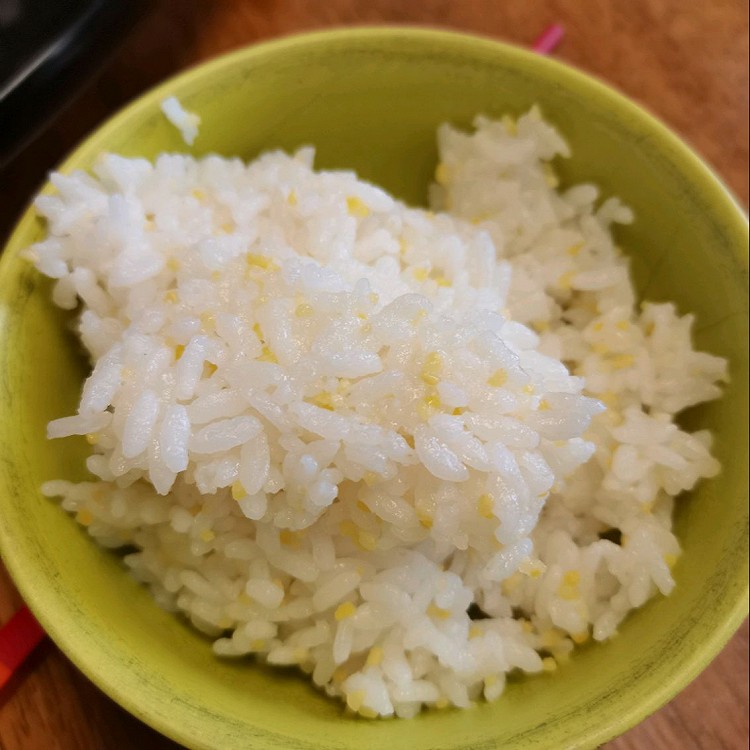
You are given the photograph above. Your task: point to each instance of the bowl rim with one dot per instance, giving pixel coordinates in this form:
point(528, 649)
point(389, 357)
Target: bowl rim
point(699, 171)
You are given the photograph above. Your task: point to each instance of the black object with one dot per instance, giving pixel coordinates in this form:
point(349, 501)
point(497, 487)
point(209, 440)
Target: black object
point(48, 50)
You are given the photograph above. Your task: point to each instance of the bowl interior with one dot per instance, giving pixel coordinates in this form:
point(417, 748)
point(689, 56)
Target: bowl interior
point(370, 100)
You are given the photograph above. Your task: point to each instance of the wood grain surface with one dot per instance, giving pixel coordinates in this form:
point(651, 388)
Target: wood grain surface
point(686, 60)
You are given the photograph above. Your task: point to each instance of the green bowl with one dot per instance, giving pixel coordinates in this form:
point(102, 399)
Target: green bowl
point(370, 100)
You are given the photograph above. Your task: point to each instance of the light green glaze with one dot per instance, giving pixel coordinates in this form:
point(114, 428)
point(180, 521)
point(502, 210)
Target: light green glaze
point(370, 100)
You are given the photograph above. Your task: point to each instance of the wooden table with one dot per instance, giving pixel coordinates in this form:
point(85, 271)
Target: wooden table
point(687, 61)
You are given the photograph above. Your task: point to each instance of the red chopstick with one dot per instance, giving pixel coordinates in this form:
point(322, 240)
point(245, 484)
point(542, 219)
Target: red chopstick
point(548, 40)
point(18, 638)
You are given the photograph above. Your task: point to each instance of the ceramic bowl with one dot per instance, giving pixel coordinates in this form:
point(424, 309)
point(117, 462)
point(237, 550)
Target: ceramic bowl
point(370, 100)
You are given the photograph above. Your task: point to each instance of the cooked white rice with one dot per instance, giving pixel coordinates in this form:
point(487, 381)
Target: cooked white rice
point(186, 122)
point(331, 424)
